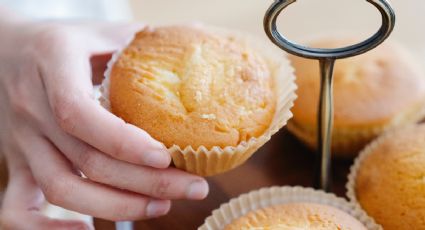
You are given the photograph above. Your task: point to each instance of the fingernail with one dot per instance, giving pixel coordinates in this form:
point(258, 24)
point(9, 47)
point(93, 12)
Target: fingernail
point(158, 159)
point(157, 208)
point(198, 190)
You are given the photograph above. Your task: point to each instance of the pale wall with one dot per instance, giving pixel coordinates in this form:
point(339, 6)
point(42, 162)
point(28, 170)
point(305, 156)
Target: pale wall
point(302, 19)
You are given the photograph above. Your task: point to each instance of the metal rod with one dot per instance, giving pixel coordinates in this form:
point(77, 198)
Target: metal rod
point(124, 225)
point(327, 59)
point(324, 121)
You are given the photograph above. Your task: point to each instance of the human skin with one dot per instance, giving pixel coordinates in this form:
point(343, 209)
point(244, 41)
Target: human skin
point(52, 130)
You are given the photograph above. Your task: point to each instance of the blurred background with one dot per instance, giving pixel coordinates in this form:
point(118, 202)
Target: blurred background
point(303, 20)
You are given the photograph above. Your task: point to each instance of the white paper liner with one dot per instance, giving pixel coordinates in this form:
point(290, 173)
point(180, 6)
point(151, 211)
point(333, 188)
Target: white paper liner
point(207, 162)
point(265, 197)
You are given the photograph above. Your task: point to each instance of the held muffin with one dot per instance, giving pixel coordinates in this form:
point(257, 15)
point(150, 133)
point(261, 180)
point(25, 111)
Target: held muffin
point(376, 91)
point(212, 97)
point(388, 179)
point(288, 208)
point(297, 216)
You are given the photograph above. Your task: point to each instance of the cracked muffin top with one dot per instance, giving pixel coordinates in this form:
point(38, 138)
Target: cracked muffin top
point(189, 86)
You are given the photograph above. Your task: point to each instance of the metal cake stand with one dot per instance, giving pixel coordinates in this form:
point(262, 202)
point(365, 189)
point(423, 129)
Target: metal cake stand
point(327, 58)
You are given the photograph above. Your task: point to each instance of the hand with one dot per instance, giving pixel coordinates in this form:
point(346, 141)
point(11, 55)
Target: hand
point(50, 119)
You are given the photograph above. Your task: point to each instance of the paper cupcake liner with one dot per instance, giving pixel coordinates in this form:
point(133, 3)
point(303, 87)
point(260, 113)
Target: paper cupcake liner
point(349, 142)
point(208, 162)
point(265, 197)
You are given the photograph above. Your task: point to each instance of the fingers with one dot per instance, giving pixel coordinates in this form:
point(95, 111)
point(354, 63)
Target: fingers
point(159, 183)
point(69, 91)
point(22, 201)
point(67, 190)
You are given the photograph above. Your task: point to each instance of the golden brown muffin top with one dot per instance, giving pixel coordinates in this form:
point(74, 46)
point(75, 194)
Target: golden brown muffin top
point(188, 86)
point(390, 184)
point(374, 89)
point(297, 216)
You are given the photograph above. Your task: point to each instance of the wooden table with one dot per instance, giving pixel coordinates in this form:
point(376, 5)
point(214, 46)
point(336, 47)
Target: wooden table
point(282, 161)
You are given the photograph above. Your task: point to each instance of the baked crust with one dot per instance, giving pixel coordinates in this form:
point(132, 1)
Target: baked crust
point(187, 86)
point(297, 216)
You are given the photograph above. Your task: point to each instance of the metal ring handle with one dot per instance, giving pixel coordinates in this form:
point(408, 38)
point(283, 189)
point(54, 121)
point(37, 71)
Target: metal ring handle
point(327, 59)
point(388, 22)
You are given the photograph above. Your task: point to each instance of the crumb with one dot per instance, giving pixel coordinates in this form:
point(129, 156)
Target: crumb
point(208, 116)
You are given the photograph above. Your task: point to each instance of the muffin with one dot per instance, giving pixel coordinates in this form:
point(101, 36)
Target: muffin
point(210, 96)
point(297, 216)
point(373, 92)
point(388, 179)
point(288, 208)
